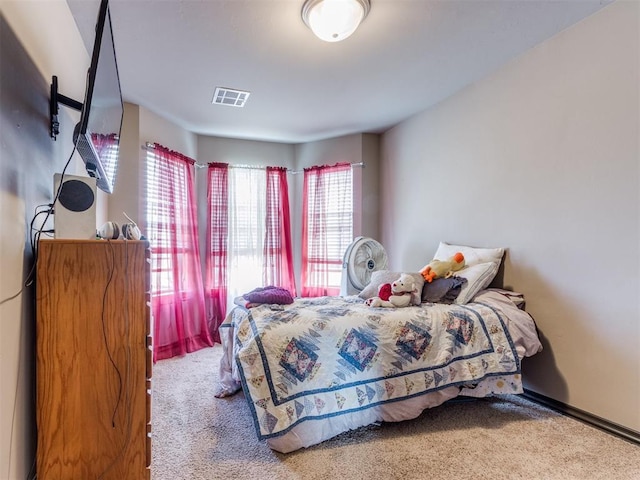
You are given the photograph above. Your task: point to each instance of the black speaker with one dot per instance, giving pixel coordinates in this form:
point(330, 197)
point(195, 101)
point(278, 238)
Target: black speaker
point(75, 208)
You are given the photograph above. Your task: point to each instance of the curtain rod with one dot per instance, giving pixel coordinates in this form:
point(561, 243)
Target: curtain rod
point(294, 172)
point(149, 146)
point(257, 167)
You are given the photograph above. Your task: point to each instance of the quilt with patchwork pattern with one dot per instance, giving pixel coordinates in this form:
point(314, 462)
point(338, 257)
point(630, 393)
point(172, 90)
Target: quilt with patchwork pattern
point(327, 356)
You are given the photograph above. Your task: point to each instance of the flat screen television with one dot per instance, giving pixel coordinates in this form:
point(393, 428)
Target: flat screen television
point(97, 135)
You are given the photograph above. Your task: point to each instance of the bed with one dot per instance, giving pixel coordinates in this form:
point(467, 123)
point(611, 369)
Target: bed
point(318, 367)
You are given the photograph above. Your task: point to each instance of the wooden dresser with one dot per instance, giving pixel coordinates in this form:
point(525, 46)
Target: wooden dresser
point(94, 359)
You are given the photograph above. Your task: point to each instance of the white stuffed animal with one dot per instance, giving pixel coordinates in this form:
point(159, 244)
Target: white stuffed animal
point(396, 294)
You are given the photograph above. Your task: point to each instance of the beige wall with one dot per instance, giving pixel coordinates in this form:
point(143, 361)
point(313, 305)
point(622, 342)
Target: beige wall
point(370, 187)
point(28, 160)
point(542, 158)
point(126, 191)
point(154, 128)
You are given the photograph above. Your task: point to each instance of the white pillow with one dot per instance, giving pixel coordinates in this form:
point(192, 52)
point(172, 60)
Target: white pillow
point(482, 265)
point(472, 255)
point(478, 277)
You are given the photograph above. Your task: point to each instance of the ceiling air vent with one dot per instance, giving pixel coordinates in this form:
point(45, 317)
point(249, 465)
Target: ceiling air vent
point(230, 97)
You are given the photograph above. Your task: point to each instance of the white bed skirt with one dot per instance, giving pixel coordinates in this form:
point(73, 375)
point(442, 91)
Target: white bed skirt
point(305, 435)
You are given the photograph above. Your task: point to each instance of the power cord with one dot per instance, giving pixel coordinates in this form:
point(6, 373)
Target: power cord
point(104, 332)
point(35, 237)
point(127, 393)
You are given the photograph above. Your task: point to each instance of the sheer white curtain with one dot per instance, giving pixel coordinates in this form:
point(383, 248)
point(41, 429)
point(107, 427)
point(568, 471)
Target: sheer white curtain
point(327, 227)
point(247, 212)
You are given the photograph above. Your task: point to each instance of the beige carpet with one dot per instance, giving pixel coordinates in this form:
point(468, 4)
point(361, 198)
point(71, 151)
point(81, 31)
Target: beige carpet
point(197, 436)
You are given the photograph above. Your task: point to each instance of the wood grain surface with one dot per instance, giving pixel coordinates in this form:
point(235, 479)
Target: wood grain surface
point(93, 405)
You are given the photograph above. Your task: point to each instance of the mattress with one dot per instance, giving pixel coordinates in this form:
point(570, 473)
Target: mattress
point(321, 366)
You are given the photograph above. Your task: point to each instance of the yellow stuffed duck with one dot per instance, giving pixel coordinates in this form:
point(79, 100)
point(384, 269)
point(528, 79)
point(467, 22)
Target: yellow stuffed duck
point(443, 268)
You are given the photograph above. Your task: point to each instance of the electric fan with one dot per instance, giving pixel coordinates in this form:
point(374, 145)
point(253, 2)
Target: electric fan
point(363, 257)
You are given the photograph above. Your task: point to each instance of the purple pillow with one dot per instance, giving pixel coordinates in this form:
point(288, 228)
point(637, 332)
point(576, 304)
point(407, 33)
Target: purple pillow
point(270, 294)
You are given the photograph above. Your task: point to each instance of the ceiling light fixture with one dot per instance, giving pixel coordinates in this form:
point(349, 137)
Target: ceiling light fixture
point(334, 20)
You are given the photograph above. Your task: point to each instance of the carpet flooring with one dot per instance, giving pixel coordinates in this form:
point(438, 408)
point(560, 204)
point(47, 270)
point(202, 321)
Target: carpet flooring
point(197, 436)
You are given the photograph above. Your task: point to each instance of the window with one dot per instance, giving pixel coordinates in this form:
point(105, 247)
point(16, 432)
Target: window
point(177, 297)
point(327, 228)
point(248, 234)
point(247, 193)
point(166, 205)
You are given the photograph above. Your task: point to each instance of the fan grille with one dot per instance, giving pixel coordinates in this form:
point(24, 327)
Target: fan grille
point(365, 256)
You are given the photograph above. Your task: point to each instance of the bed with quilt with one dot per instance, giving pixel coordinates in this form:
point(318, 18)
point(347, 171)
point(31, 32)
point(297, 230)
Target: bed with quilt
point(318, 367)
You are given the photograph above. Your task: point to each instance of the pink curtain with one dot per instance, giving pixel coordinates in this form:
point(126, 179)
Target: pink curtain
point(102, 142)
point(319, 263)
point(217, 234)
point(106, 146)
point(278, 253)
point(177, 300)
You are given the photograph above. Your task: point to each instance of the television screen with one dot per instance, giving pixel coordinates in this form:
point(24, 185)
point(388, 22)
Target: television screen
point(97, 135)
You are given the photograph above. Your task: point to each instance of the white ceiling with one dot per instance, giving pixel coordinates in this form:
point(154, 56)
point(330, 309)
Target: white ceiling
point(406, 56)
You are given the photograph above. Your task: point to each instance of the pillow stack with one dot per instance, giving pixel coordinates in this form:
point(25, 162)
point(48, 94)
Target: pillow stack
point(482, 265)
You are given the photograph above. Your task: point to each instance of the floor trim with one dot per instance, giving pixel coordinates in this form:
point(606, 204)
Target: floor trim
point(593, 420)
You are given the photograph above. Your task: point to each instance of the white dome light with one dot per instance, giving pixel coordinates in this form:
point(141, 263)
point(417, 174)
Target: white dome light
point(334, 20)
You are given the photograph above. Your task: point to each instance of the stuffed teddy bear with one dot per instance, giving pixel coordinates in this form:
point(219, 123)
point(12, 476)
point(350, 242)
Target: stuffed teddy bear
point(443, 268)
point(396, 294)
